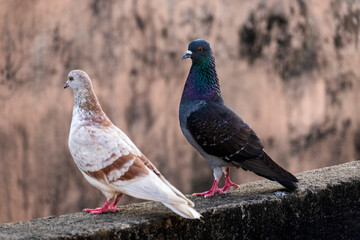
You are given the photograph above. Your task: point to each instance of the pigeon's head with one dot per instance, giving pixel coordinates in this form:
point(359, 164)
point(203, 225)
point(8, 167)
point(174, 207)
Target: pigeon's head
point(78, 79)
point(198, 50)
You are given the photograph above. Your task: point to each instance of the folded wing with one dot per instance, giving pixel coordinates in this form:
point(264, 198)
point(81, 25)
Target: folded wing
point(111, 162)
point(222, 133)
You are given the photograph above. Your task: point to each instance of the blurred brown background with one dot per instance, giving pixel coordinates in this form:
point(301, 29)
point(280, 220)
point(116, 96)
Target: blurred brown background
point(290, 68)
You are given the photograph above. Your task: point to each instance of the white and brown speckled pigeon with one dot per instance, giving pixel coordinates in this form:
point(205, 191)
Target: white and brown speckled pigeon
point(110, 161)
point(218, 133)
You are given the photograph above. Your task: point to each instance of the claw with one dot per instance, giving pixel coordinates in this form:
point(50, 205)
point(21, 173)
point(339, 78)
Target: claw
point(103, 209)
point(107, 207)
point(228, 182)
point(214, 189)
point(113, 209)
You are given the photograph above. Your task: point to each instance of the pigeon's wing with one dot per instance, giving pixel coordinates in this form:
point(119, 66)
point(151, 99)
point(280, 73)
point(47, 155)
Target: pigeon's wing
point(222, 133)
point(111, 162)
point(96, 147)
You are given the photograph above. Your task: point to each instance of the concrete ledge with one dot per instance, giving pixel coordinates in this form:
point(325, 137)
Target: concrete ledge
point(326, 206)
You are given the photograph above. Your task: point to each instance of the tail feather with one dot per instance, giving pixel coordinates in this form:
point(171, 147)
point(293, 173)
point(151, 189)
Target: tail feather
point(266, 167)
point(176, 191)
point(183, 210)
point(155, 187)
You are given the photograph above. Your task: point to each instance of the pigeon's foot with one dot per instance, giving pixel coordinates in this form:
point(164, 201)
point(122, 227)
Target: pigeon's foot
point(112, 207)
point(214, 189)
point(107, 206)
point(95, 211)
point(208, 193)
point(228, 185)
point(228, 182)
point(103, 209)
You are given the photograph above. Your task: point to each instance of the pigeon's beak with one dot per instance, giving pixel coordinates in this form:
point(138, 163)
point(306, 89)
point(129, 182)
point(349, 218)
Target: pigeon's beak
point(66, 84)
point(187, 55)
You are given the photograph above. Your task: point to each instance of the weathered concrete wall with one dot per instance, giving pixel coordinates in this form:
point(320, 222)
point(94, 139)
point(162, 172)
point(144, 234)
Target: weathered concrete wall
point(290, 68)
point(325, 207)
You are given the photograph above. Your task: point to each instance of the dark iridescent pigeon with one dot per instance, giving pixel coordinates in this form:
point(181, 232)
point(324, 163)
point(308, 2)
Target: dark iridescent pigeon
point(218, 133)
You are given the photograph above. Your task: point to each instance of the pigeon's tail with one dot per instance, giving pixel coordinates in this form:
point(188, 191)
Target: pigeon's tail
point(266, 167)
point(154, 186)
point(177, 192)
point(183, 209)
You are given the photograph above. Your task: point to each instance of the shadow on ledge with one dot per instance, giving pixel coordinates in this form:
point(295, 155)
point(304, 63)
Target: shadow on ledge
point(326, 206)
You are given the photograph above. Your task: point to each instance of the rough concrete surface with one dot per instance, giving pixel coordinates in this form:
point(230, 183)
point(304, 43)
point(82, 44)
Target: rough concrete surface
point(288, 68)
point(326, 206)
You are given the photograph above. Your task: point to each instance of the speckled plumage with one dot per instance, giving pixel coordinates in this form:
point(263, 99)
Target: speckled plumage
point(218, 133)
point(110, 161)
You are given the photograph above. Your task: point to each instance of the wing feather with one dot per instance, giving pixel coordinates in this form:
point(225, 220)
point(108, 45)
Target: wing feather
point(95, 147)
point(222, 133)
point(112, 162)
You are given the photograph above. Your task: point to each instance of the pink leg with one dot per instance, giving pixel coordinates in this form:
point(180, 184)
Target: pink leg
point(214, 189)
point(104, 208)
point(112, 207)
point(228, 183)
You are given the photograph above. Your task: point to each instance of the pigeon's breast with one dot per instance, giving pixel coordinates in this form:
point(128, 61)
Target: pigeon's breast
point(186, 108)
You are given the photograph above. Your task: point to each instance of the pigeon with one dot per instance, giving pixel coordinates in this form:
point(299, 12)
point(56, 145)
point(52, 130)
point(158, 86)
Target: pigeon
point(110, 161)
point(222, 137)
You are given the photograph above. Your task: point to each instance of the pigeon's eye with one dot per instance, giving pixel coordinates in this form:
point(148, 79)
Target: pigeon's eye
point(71, 78)
point(200, 49)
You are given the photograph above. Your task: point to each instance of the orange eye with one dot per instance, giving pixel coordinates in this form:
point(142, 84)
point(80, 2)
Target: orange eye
point(71, 78)
point(200, 49)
